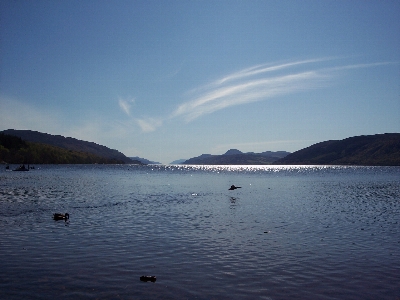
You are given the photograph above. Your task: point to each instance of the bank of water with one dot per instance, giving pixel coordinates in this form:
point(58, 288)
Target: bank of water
point(290, 232)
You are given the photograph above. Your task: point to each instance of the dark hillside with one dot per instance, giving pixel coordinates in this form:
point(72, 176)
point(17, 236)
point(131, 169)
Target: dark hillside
point(236, 157)
point(145, 161)
point(365, 150)
point(14, 150)
point(70, 144)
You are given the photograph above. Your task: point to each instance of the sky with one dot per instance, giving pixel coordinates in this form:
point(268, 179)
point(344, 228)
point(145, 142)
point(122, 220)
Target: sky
point(167, 80)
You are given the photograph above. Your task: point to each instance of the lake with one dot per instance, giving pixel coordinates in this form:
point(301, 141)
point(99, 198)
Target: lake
point(290, 232)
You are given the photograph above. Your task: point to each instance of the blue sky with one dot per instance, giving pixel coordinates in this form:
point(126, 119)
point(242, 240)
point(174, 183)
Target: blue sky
point(167, 80)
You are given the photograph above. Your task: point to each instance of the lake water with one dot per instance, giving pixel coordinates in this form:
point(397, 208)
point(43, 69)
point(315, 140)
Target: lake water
point(290, 232)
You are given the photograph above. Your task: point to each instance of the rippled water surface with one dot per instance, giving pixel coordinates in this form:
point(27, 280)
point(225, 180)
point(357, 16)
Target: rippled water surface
point(288, 233)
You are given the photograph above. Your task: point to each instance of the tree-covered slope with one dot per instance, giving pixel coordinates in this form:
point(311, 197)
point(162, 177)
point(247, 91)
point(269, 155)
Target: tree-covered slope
point(14, 150)
point(236, 157)
point(69, 143)
point(365, 150)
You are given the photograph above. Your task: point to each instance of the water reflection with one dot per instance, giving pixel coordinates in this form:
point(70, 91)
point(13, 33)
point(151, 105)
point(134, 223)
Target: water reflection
point(291, 231)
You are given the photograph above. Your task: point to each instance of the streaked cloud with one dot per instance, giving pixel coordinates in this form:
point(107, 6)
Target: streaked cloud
point(125, 105)
point(264, 68)
point(259, 83)
point(359, 66)
point(249, 85)
point(256, 83)
point(146, 124)
point(21, 115)
point(149, 124)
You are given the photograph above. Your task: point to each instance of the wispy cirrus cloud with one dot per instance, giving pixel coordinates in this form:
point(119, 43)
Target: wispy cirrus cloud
point(261, 82)
point(250, 85)
point(243, 93)
point(149, 124)
point(264, 68)
point(256, 83)
point(145, 124)
point(23, 115)
point(125, 105)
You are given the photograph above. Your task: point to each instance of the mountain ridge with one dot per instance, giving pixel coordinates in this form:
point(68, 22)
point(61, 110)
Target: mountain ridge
point(365, 150)
point(70, 143)
point(236, 157)
point(177, 161)
point(144, 160)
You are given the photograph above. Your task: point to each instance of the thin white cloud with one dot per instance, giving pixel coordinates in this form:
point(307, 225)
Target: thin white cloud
point(93, 128)
point(246, 92)
point(256, 83)
point(259, 83)
point(264, 68)
point(145, 124)
point(125, 105)
point(359, 66)
point(149, 124)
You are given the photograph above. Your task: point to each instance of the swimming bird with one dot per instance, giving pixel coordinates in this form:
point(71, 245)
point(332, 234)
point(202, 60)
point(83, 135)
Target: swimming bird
point(58, 216)
point(146, 278)
point(234, 187)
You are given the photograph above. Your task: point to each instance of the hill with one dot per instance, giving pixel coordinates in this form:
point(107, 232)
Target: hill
point(145, 161)
point(14, 150)
point(71, 144)
point(178, 161)
point(365, 150)
point(236, 157)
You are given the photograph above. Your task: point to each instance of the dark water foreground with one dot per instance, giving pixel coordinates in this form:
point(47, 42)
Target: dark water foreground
point(288, 233)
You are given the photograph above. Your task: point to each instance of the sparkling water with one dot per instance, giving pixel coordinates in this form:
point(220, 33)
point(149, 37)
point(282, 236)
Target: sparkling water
point(289, 232)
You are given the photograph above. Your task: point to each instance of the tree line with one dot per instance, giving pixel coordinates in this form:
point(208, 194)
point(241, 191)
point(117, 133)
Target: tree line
point(14, 150)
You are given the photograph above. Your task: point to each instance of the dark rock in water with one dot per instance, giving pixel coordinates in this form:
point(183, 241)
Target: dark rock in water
point(22, 168)
point(146, 278)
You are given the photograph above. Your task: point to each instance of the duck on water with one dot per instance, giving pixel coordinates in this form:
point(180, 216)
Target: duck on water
point(148, 278)
point(234, 187)
point(58, 216)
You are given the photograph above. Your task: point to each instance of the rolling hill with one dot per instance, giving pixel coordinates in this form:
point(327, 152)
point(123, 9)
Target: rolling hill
point(145, 161)
point(71, 144)
point(236, 157)
point(365, 150)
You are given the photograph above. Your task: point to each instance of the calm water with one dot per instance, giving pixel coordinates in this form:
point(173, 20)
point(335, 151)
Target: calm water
point(289, 233)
